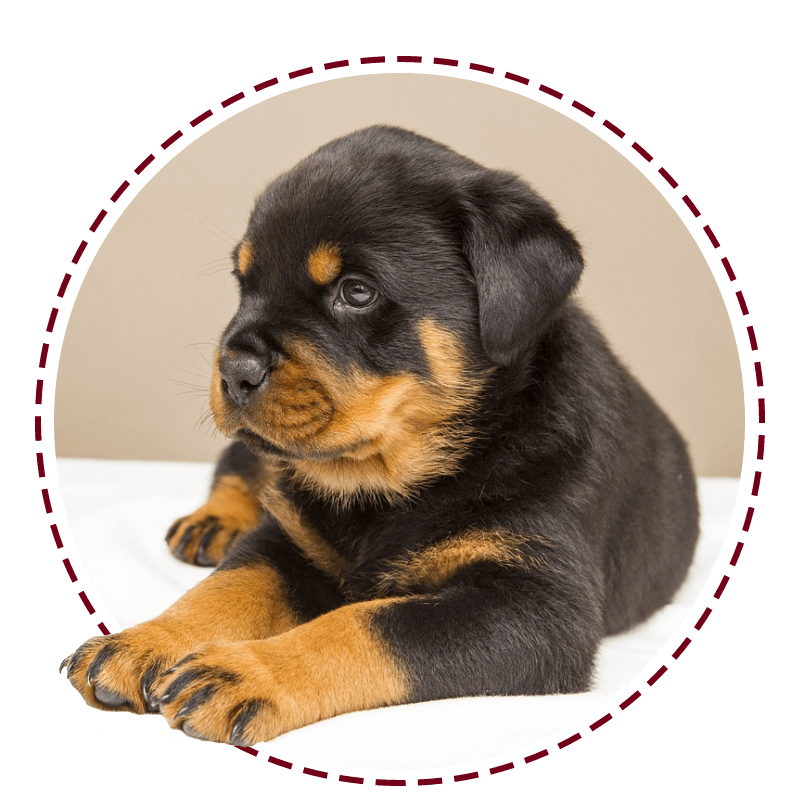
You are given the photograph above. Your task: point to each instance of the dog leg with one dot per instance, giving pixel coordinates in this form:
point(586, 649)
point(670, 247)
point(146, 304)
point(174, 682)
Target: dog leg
point(232, 509)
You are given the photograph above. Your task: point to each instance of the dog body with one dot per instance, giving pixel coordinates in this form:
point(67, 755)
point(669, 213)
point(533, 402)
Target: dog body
point(444, 484)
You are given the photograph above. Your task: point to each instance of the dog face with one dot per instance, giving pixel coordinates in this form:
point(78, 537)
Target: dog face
point(385, 283)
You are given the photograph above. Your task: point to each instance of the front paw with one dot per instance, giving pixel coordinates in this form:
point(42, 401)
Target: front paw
point(203, 538)
point(116, 672)
point(221, 693)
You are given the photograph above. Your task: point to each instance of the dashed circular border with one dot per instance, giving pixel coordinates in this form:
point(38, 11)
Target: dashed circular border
point(64, 285)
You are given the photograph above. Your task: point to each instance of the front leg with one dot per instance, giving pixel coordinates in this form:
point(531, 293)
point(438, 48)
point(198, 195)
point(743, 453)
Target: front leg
point(246, 692)
point(499, 634)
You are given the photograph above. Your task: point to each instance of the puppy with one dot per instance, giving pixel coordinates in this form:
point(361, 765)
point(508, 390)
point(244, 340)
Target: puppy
point(442, 482)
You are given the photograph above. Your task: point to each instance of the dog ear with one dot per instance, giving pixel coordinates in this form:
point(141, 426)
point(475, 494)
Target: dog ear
point(525, 262)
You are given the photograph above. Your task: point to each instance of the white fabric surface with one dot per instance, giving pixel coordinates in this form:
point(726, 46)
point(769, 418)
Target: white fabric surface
point(119, 512)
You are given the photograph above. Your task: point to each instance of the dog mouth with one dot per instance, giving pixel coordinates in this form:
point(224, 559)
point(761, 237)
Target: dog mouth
point(259, 444)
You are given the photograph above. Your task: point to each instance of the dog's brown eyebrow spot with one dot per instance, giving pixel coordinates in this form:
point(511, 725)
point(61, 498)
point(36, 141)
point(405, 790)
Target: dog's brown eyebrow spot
point(244, 257)
point(324, 263)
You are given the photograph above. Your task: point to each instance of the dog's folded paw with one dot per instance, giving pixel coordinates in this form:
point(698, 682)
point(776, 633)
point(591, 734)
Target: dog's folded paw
point(203, 538)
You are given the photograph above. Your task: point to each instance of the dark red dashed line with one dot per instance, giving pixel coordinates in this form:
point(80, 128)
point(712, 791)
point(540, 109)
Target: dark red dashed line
point(43, 355)
point(37, 429)
point(721, 588)
point(409, 59)
point(39, 388)
point(235, 98)
point(97, 220)
point(517, 78)
point(607, 124)
point(756, 484)
point(642, 152)
point(583, 109)
point(40, 464)
point(760, 451)
point(249, 750)
point(71, 572)
point(123, 187)
point(86, 602)
point(681, 647)
point(51, 321)
point(199, 120)
point(632, 699)
point(614, 129)
point(145, 164)
point(600, 722)
point(691, 206)
point(260, 87)
point(56, 536)
point(748, 518)
point(103, 629)
point(65, 281)
point(568, 741)
point(78, 253)
point(656, 675)
point(736, 553)
point(728, 269)
point(752, 336)
point(742, 304)
point(536, 756)
point(761, 410)
point(711, 237)
point(667, 177)
point(703, 617)
point(552, 92)
point(373, 60)
point(167, 143)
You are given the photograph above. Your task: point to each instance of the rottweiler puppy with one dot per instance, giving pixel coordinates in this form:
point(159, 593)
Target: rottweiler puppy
point(442, 482)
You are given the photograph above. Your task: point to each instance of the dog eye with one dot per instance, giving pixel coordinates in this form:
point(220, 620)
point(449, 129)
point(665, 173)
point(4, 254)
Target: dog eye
point(357, 294)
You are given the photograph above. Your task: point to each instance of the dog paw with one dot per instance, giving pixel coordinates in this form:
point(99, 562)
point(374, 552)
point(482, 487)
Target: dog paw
point(116, 672)
point(203, 538)
point(221, 693)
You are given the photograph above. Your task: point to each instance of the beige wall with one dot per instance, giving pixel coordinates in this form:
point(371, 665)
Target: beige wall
point(135, 366)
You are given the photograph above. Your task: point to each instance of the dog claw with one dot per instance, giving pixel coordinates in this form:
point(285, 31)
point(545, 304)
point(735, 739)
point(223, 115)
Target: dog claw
point(109, 698)
point(64, 663)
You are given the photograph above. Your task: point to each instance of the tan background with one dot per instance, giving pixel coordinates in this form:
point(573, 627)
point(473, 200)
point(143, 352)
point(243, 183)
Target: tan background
point(135, 366)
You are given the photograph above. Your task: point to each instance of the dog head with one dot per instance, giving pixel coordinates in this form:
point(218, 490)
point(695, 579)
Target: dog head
point(385, 282)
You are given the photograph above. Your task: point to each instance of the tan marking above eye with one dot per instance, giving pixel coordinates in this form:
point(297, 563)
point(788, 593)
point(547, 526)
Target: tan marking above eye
point(324, 263)
point(244, 257)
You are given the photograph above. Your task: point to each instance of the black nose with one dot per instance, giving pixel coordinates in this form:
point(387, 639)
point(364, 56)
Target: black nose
point(243, 374)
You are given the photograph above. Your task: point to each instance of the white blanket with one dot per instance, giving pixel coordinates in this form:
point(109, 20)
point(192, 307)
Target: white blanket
point(119, 512)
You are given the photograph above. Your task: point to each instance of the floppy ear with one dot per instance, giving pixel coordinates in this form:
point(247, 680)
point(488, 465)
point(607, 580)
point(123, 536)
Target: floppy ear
point(525, 262)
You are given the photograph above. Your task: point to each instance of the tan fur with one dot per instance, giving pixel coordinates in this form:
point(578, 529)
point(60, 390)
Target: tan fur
point(232, 507)
point(315, 548)
point(431, 567)
point(228, 606)
point(329, 666)
point(244, 257)
point(324, 264)
point(356, 433)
